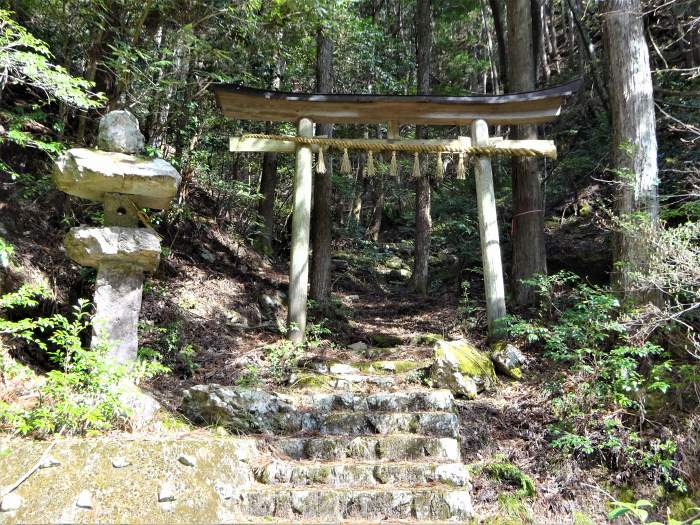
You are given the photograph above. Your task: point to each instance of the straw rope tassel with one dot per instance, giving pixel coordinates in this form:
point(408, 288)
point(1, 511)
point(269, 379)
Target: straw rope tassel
point(393, 167)
point(345, 166)
point(370, 164)
point(416, 166)
point(439, 168)
point(461, 173)
point(321, 162)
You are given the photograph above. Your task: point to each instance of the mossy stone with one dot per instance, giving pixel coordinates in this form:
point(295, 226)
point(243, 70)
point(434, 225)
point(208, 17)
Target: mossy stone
point(468, 361)
point(426, 339)
point(394, 263)
point(311, 380)
point(461, 368)
point(386, 340)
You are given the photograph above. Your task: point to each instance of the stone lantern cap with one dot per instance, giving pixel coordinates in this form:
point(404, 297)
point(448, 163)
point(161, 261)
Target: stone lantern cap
point(119, 131)
point(117, 245)
point(88, 173)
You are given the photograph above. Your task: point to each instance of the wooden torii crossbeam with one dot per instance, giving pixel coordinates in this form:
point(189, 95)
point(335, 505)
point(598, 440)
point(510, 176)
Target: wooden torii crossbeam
point(245, 103)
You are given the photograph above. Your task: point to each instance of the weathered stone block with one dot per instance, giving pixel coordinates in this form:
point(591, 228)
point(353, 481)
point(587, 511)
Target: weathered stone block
point(508, 359)
point(119, 131)
point(137, 247)
point(241, 409)
point(461, 368)
point(87, 173)
point(117, 301)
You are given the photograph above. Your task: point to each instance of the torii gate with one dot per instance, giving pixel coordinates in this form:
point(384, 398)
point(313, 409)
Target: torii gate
point(533, 107)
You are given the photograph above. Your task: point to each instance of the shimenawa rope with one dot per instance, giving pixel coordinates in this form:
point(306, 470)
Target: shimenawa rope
point(359, 144)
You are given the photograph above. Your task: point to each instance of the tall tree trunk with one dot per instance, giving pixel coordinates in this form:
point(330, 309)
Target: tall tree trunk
point(94, 54)
point(497, 13)
point(424, 44)
point(268, 177)
point(355, 217)
point(536, 35)
point(375, 223)
point(634, 137)
point(489, 46)
point(586, 50)
point(321, 214)
point(266, 206)
point(529, 257)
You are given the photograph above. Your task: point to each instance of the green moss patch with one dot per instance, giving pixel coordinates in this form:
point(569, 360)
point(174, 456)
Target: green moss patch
point(311, 380)
point(469, 361)
point(386, 340)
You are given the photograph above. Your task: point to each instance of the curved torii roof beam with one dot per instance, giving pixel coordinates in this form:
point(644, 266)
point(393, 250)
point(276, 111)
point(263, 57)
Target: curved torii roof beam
point(532, 107)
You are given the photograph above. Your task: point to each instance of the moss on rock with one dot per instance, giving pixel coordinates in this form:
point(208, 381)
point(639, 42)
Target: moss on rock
point(386, 340)
point(461, 368)
point(311, 380)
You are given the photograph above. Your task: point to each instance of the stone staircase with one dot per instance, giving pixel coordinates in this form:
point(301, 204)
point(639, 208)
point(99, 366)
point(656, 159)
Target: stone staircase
point(358, 453)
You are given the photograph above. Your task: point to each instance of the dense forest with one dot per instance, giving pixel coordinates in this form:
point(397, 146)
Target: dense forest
point(598, 420)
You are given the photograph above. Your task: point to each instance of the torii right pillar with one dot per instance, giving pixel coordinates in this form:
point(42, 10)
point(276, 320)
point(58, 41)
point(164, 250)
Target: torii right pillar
point(488, 230)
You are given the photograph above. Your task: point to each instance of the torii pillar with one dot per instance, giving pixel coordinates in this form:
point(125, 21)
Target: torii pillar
point(301, 226)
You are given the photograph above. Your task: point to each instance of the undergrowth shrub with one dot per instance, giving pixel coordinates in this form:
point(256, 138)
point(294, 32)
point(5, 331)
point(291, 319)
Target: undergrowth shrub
point(82, 393)
point(609, 381)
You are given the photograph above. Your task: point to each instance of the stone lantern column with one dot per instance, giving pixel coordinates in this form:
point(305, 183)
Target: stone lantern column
point(119, 176)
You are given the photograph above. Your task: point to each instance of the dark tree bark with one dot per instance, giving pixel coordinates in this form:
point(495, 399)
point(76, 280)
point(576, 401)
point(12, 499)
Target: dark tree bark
point(268, 177)
point(355, 217)
point(634, 138)
point(375, 223)
point(497, 12)
point(266, 206)
point(529, 257)
point(321, 213)
point(424, 44)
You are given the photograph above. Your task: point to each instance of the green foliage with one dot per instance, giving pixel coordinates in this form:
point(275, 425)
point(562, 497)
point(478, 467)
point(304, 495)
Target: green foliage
point(250, 377)
point(82, 393)
point(6, 252)
point(25, 60)
point(282, 358)
point(171, 347)
point(470, 310)
point(506, 472)
point(638, 512)
point(583, 327)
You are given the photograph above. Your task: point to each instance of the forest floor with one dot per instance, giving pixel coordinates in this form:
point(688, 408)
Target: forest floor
point(214, 306)
point(507, 424)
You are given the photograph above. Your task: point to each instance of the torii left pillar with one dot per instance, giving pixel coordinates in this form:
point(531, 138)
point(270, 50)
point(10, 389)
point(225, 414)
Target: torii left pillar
point(301, 225)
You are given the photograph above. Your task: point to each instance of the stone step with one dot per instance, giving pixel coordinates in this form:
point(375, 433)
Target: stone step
point(442, 424)
point(404, 401)
point(358, 382)
point(395, 447)
point(379, 367)
point(364, 504)
point(362, 474)
point(254, 411)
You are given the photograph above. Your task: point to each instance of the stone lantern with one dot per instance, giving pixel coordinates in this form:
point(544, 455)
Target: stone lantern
point(119, 176)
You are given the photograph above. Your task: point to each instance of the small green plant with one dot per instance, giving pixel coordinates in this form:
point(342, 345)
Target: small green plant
point(167, 343)
point(187, 355)
point(316, 333)
point(469, 310)
point(506, 472)
point(82, 394)
point(283, 356)
point(639, 511)
point(6, 253)
point(249, 377)
point(583, 327)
